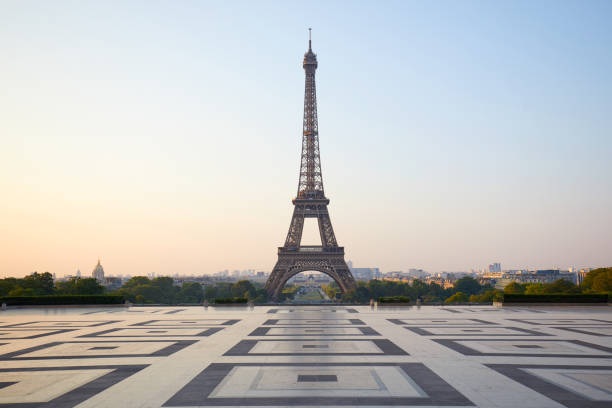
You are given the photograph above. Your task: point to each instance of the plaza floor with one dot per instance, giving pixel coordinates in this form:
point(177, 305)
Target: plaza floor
point(306, 356)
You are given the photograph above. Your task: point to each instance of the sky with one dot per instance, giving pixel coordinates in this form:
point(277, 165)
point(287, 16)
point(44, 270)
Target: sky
point(165, 136)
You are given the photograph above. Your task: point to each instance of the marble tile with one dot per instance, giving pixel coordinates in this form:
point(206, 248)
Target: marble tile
point(306, 356)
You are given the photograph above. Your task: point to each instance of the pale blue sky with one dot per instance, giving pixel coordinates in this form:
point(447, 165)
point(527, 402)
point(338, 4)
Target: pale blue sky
point(165, 135)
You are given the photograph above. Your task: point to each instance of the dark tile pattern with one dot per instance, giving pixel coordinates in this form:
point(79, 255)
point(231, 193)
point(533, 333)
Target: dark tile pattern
point(311, 310)
point(514, 331)
point(82, 393)
point(387, 347)
point(173, 347)
point(584, 330)
point(560, 322)
point(62, 324)
point(4, 384)
point(305, 322)
point(198, 390)
point(429, 322)
point(182, 322)
point(148, 333)
point(318, 378)
point(454, 344)
point(561, 395)
point(365, 331)
point(48, 332)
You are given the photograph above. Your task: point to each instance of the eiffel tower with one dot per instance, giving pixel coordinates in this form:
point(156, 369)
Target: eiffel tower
point(310, 202)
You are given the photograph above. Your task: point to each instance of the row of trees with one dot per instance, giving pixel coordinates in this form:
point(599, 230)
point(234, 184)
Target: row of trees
point(468, 289)
point(140, 289)
point(42, 284)
point(162, 290)
point(596, 281)
point(428, 293)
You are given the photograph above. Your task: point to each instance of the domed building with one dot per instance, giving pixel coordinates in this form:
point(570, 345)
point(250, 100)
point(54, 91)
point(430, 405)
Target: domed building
point(98, 272)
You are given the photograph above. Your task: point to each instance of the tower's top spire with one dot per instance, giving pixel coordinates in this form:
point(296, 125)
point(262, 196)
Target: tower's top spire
point(309, 39)
point(310, 58)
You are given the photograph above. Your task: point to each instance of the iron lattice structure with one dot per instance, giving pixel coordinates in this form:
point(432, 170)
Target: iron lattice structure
point(310, 202)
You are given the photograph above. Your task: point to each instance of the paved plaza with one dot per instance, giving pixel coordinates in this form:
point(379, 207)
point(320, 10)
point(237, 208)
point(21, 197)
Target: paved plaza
point(306, 356)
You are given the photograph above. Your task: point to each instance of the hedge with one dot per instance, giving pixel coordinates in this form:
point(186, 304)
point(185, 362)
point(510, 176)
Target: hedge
point(394, 299)
point(62, 300)
point(556, 298)
point(229, 301)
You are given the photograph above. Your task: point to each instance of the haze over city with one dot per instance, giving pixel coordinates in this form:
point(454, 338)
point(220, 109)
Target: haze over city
point(165, 137)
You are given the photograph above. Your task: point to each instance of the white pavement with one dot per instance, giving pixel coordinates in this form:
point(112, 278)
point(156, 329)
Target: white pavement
point(306, 356)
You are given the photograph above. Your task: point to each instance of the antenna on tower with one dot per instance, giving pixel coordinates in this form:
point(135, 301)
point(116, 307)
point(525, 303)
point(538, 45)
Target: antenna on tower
point(309, 38)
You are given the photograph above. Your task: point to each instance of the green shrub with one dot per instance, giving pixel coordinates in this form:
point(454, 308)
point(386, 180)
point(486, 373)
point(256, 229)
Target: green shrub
point(229, 301)
point(557, 298)
point(394, 299)
point(458, 297)
point(62, 300)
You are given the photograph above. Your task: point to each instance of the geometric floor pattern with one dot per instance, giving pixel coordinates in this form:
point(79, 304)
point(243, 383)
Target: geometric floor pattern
point(306, 356)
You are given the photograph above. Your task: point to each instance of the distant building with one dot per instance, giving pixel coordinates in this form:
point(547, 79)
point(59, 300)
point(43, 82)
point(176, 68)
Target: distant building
point(98, 273)
point(538, 276)
point(417, 273)
point(495, 267)
point(78, 274)
point(113, 283)
point(445, 283)
point(366, 274)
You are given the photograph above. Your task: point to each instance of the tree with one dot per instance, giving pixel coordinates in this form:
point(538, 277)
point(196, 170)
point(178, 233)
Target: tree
point(419, 287)
point(79, 286)
point(223, 290)
point(40, 283)
point(487, 297)
point(19, 291)
point(360, 294)
point(561, 286)
point(514, 287)
point(435, 292)
point(331, 289)
point(288, 292)
point(88, 286)
point(191, 292)
point(598, 280)
point(458, 297)
point(167, 291)
point(243, 288)
point(7, 285)
point(135, 281)
point(141, 289)
point(210, 293)
point(534, 289)
point(261, 296)
point(468, 285)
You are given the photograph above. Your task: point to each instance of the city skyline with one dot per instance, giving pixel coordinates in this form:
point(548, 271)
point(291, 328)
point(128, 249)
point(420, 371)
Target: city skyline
point(230, 272)
point(169, 144)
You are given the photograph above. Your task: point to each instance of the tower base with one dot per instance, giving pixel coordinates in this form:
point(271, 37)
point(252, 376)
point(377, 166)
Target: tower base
point(329, 261)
